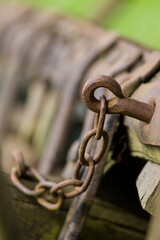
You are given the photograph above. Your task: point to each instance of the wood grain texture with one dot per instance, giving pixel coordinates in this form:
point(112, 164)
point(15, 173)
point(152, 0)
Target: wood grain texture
point(138, 149)
point(105, 219)
point(148, 186)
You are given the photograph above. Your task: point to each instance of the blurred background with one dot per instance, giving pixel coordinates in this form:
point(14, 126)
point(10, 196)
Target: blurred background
point(137, 20)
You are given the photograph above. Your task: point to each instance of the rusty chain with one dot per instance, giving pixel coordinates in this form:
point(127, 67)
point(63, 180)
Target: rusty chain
point(55, 190)
point(50, 194)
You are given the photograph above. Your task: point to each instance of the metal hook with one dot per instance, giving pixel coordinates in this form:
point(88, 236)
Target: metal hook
point(117, 105)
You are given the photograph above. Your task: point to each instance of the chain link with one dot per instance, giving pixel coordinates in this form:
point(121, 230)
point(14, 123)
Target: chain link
point(100, 118)
point(50, 194)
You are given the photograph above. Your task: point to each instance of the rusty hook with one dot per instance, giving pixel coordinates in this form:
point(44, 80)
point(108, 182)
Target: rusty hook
point(117, 105)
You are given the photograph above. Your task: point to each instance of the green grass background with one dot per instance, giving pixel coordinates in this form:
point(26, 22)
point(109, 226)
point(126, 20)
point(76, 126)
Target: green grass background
point(138, 20)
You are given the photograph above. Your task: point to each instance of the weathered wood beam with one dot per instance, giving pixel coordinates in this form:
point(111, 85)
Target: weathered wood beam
point(105, 219)
point(148, 186)
point(138, 149)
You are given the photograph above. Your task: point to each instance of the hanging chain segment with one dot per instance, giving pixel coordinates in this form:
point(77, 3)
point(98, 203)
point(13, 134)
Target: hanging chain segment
point(50, 194)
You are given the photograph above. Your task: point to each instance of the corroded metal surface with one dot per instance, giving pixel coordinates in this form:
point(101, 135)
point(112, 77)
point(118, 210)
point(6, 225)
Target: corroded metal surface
point(117, 105)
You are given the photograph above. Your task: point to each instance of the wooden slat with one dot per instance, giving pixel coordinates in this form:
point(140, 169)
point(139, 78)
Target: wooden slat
point(148, 186)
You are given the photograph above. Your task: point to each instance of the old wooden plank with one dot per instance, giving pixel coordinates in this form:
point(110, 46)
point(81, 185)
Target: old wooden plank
point(138, 149)
point(105, 219)
point(148, 186)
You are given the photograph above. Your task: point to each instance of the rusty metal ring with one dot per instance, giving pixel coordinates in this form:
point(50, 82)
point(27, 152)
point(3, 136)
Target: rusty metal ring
point(44, 203)
point(100, 118)
point(51, 206)
point(80, 189)
point(84, 143)
point(45, 184)
point(89, 176)
point(66, 183)
point(21, 187)
point(92, 84)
